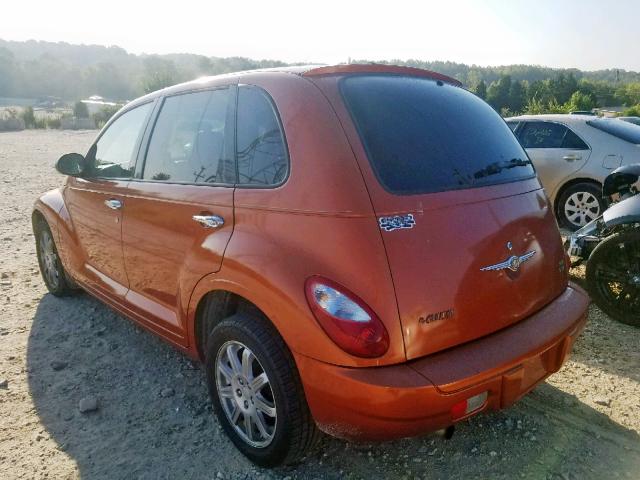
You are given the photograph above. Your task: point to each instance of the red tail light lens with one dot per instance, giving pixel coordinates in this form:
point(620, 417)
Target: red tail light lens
point(469, 405)
point(346, 319)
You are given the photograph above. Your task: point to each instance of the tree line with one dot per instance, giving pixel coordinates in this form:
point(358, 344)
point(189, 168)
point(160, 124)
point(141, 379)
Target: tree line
point(36, 69)
point(560, 94)
point(515, 89)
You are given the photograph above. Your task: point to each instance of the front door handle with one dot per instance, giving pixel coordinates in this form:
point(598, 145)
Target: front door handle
point(209, 221)
point(571, 158)
point(113, 204)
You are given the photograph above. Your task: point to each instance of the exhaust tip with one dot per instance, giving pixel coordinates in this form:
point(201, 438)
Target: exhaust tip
point(448, 432)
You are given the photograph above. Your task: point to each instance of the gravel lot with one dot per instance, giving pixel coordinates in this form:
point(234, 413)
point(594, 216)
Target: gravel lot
point(153, 418)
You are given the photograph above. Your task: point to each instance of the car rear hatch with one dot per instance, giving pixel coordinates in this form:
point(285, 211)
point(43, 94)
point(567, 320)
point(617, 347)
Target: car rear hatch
point(472, 243)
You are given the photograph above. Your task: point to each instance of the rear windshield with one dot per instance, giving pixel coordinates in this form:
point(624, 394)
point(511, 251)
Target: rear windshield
point(623, 130)
point(425, 136)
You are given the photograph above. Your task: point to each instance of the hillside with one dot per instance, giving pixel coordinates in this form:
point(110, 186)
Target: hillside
point(35, 69)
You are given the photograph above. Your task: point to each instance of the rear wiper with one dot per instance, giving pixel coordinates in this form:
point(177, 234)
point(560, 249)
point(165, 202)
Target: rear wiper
point(496, 167)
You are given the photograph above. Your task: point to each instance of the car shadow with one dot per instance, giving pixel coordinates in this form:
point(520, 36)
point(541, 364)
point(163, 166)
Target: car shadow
point(154, 420)
point(607, 344)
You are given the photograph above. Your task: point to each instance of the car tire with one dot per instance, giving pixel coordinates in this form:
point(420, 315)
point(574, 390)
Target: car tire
point(270, 424)
point(613, 271)
point(53, 273)
point(579, 204)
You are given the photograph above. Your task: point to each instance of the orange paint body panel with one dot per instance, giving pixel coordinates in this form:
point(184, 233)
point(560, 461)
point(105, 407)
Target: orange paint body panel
point(501, 331)
point(415, 397)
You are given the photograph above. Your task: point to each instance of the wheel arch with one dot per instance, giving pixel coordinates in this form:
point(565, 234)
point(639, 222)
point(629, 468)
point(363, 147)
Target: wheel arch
point(282, 304)
point(213, 307)
point(570, 183)
point(48, 208)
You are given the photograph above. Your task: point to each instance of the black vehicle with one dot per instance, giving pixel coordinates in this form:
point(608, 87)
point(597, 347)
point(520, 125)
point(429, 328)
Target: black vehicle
point(611, 246)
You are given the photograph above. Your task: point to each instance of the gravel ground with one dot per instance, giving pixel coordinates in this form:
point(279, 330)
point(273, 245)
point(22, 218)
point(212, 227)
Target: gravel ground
point(85, 393)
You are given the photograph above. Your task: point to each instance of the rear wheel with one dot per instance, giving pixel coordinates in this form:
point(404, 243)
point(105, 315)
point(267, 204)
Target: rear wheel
point(55, 278)
point(256, 391)
point(579, 204)
point(613, 277)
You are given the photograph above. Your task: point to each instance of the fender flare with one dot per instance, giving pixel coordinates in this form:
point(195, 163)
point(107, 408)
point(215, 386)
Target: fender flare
point(216, 281)
point(50, 205)
point(626, 211)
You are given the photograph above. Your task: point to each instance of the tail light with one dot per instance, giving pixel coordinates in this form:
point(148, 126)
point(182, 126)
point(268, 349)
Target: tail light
point(346, 319)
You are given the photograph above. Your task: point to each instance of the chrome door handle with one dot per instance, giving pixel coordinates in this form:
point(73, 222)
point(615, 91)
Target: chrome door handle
point(113, 204)
point(209, 221)
point(571, 158)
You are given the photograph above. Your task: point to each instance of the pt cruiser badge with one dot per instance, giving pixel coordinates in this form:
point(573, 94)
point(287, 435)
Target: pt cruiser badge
point(395, 222)
point(512, 263)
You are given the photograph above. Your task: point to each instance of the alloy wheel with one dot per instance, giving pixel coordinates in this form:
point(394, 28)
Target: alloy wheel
point(245, 394)
point(581, 208)
point(49, 259)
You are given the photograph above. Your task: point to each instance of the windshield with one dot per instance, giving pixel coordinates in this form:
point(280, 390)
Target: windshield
point(424, 136)
point(623, 130)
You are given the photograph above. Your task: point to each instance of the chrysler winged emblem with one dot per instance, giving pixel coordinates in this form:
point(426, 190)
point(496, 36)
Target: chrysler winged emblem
point(512, 263)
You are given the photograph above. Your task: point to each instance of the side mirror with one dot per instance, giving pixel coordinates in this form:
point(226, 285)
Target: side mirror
point(72, 164)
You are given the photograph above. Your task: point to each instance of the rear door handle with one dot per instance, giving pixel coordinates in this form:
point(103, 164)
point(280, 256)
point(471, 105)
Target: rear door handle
point(571, 158)
point(209, 221)
point(113, 204)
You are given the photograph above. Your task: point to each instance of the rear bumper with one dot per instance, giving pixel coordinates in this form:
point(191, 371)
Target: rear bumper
point(416, 397)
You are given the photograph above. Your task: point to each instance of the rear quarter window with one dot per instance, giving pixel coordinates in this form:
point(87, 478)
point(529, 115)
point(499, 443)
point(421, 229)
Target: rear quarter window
point(261, 149)
point(424, 136)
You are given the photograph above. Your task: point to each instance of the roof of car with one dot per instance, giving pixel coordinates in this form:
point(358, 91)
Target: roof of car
point(342, 69)
point(303, 71)
point(352, 68)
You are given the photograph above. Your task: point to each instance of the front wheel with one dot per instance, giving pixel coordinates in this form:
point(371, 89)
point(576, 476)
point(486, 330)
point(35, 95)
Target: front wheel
point(613, 277)
point(256, 391)
point(55, 278)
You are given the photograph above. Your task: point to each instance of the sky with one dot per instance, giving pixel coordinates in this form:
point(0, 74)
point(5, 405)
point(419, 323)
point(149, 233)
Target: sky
point(585, 34)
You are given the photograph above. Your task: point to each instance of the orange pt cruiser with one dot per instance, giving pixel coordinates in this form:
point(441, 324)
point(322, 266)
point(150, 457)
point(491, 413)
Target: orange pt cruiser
point(362, 250)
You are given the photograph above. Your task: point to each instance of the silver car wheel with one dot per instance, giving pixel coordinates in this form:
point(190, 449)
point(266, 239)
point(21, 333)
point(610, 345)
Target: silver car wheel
point(581, 208)
point(49, 259)
point(245, 394)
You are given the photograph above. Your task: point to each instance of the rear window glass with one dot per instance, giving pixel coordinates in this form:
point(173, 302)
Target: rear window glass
point(623, 130)
point(424, 136)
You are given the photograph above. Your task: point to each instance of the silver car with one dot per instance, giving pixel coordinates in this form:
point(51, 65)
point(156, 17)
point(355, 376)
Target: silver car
point(572, 155)
point(634, 120)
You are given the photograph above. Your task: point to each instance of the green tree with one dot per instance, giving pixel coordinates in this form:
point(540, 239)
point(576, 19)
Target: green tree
point(541, 91)
point(628, 94)
point(105, 114)
point(159, 73)
point(481, 89)
point(632, 112)
point(8, 71)
point(517, 96)
point(580, 101)
point(536, 106)
point(498, 92)
point(563, 86)
point(80, 110)
point(28, 117)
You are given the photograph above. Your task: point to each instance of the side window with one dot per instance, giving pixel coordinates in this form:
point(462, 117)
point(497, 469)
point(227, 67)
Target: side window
point(513, 125)
point(542, 135)
point(261, 151)
point(114, 154)
point(188, 140)
point(573, 141)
